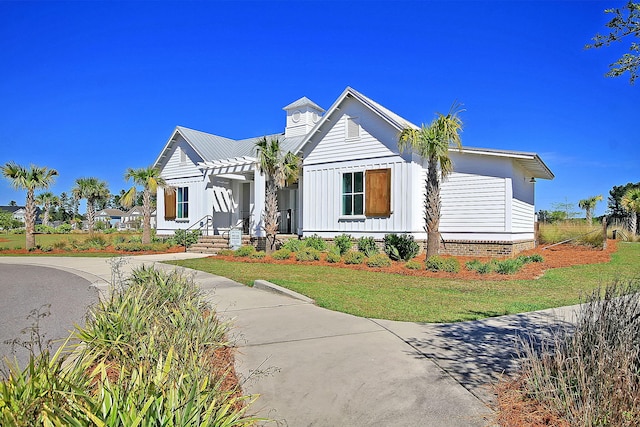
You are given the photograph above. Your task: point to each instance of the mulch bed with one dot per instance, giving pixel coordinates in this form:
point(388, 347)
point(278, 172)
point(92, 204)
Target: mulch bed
point(107, 250)
point(565, 255)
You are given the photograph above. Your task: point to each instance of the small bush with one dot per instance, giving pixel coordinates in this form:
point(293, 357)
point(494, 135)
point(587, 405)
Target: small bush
point(509, 266)
point(438, 263)
point(293, 245)
point(315, 242)
point(186, 238)
point(353, 257)
point(308, 254)
point(343, 242)
point(400, 247)
point(45, 248)
point(333, 257)
point(414, 265)
point(64, 228)
point(118, 239)
point(45, 229)
point(226, 252)
point(244, 251)
point(60, 245)
point(473, 265)
point(532, 258)
point(96, 242)
point(258, 255)
point(367, 245)
point(282, 253)
point(480, 267)
point(378, 260)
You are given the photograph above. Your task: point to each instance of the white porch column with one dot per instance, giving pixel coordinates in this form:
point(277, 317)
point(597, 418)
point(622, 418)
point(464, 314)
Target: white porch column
point(259, 191)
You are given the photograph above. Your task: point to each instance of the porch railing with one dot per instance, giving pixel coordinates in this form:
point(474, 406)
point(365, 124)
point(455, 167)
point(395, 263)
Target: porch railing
point(287, 222)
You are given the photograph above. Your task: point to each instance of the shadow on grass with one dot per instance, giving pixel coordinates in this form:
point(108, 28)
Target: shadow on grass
point(478, 353)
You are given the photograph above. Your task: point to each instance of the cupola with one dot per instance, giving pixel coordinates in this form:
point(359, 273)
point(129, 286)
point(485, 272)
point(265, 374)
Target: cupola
point(302, 116)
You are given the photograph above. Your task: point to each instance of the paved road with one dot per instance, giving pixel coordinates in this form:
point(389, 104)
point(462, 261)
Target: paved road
point(28, 292)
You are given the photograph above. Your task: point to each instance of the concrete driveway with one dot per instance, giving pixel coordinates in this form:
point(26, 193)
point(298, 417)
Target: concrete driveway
point(315, 367)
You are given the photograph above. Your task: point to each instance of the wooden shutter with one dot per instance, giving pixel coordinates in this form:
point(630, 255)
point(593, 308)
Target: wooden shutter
point(169, 204)
point(378, 192)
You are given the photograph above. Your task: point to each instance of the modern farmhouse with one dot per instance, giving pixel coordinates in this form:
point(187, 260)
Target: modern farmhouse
point(354, 180)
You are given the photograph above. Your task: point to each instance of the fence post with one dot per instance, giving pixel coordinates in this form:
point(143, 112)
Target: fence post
point(604, 232)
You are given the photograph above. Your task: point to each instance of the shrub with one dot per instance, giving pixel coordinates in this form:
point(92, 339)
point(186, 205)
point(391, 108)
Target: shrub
point(282, 253)
point(64, 228)
point(258, 255)
point(45, 248)
point(414, 265)
point(400, 247)
point(438, 263)
point(186, 238)
point(480, 267)
point(46, 229)
point(473, 265)
point(588, 375)
point(532, 258)
point(367, 245)
point(293, 245)
point(226, 252)
point(139, 247)
point(353, 257)
point(333, 257)
point(378, 260)
point(343, 242)
point(315, 242)
point(308, 254)
point(244, 251)
point(509, 266)
point(61, 244)
point(95, 242)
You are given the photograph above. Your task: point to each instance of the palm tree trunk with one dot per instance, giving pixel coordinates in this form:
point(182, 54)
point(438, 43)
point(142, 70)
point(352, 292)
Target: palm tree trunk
point(91, 214)
point(45, 217)
point(633, 223)
point(30, 220)
point(146, 217)
point(270, 217)
point(432, 208)
point(589, 217)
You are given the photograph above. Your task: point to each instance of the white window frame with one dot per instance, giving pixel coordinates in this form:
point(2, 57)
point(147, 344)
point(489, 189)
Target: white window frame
point(181, 204)
point(353, 193)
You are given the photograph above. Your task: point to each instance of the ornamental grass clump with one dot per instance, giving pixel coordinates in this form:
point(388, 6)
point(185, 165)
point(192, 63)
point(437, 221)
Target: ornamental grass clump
point(149, 354)
point(414, 265)
point(439, 263)
point(282, 253)
point(378, 260)
point(590, 375)
point(354, 258)
point(308, 254)
point(333, 257)
point(244, 251)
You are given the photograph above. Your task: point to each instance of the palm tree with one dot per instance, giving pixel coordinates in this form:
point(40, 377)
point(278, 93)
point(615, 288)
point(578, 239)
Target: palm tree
point(150, 180)
point(631, 202)
point(589, 205)
point(432, 143)
point(29, 179)
point(92, 189)
point(280, 170)
point(47, 200)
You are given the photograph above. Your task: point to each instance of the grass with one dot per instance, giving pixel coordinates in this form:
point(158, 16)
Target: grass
point(419, 299)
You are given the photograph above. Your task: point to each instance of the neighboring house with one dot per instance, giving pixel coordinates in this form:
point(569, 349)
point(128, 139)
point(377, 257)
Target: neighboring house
point(19, 212)
point(132, 219)
point(354, 180)
point(112, 216)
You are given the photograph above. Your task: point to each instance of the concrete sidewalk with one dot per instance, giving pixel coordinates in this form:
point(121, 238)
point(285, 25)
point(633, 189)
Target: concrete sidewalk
point(315, 367)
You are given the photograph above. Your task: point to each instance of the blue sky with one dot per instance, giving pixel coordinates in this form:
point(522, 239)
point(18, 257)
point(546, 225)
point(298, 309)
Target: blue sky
point(92, 88)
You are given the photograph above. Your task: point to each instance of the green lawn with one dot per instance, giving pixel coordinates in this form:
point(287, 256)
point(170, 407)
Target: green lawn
point(419, 299)
point(17, 241)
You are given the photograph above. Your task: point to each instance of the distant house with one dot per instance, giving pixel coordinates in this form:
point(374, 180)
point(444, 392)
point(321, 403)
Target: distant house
point(111, 216)
point(19, 212)
point(355, 180)
point(132, 219)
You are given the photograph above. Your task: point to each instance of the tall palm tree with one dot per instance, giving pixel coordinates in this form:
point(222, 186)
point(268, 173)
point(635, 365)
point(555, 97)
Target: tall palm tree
point(589, 205)
point(92, 189)
point(432, 143)
point(631, 202)
point(47, 200)
point(279, 170)
point(150, 180)
point(29, 179)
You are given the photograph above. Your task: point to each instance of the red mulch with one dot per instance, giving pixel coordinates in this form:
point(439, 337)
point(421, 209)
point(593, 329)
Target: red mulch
point(107, 250)
point(558, 256)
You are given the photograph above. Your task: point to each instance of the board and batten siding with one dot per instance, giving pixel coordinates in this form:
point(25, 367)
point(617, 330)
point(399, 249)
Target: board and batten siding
point(322, 212)
point(473, 203)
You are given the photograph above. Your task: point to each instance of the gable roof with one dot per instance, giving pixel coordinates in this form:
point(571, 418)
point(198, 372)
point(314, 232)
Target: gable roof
point(529, 161)
point(303, 102)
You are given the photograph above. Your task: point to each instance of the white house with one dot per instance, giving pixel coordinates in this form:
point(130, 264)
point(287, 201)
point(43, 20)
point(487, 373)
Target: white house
point(354, 180)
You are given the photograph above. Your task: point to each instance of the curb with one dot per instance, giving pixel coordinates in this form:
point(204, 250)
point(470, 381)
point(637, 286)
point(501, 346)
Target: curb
point(272, 287)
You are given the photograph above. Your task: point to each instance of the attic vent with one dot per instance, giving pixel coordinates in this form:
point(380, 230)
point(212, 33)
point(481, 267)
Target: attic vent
point(183, 156)
point(353, 128)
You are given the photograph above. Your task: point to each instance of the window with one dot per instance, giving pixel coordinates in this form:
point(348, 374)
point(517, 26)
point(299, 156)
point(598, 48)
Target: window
point(353, 193)
point(352, 128)
point(367, 193)
point(183, 202)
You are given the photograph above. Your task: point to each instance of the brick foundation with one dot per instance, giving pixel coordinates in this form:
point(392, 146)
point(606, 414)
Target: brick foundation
point(485, 248)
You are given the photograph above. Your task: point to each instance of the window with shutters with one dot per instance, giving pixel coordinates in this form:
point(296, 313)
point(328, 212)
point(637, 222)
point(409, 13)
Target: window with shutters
point(352, 128)
point(182, 209)
point(366, 193)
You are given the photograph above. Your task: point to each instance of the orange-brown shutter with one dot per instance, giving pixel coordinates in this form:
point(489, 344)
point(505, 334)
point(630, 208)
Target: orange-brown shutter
point(378, 192)
point(169, 204)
